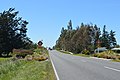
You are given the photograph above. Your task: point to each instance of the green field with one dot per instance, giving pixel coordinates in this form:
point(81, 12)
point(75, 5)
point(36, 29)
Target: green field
point(25, 70)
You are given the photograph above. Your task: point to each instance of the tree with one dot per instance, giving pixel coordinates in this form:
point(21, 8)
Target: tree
point(112, 39)
point(84, 37)
point(69, 25)
point(105, 38)
point(60, 43)
point(12, 31)
point(96, 35)
point(64, 41)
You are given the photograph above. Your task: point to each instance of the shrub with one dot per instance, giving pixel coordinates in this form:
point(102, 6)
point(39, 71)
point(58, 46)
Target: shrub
point(103, 55)
point(95, 55)
point(113, 57)
point(29, 57)
point(110, 52)
point(86, 52)
point(118, 57)
point(40, 51)
point(108, 57)
point(21, 53)
point(106, 54)
point(38, 57)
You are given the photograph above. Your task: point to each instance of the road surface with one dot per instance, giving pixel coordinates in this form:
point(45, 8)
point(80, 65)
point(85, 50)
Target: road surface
point(69, 67)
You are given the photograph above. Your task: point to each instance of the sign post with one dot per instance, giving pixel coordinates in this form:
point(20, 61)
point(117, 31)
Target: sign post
point(40, 44)
point(98, 44)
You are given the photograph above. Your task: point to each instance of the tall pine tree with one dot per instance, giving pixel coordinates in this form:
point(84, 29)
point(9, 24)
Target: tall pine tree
point(105, 38)
point(112, 39)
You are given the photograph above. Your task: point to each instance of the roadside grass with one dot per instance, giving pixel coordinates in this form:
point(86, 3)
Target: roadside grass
point(3, 59)
point(83, 55)
point(106, 54)
point(33, 67)
point(116, 60)
point(66, 52)
point(26, 70)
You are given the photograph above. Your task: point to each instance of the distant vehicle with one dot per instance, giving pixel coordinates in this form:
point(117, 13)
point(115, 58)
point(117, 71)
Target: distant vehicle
point(101, 49)
point(50, 48)
point(117, 50)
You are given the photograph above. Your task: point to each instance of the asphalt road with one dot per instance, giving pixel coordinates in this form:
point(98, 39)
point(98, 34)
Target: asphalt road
point(69, 67)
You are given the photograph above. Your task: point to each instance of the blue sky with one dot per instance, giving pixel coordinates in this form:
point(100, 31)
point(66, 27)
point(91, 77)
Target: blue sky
point(47, 17)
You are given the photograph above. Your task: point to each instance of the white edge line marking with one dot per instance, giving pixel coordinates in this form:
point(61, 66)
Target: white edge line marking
point(54, 69)
point(112, 69)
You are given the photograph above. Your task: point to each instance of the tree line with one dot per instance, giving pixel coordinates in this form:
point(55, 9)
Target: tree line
point(85, 37)
point(13, 32)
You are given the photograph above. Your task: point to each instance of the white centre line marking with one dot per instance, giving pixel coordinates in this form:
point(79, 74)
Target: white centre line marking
point(112, 69)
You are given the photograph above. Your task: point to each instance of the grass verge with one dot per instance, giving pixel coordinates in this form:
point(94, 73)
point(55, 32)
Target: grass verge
point(116, 60)
point(106, 54)
point(26, 70)
point(3, 59)
point(66, 52)
point(83, 55)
